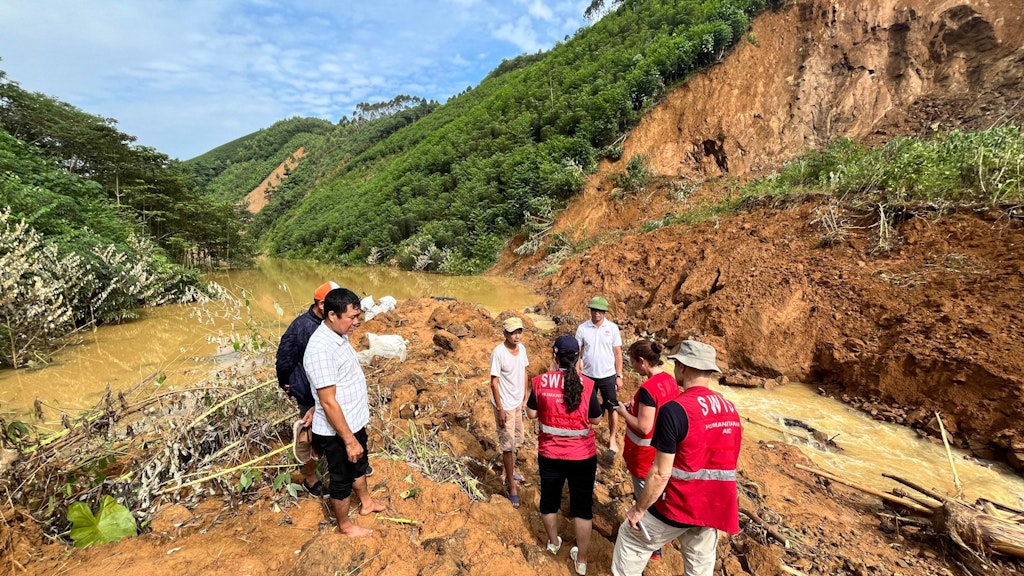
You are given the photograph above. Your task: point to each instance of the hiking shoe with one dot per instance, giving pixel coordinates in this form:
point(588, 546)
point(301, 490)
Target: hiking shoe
point(656, 555)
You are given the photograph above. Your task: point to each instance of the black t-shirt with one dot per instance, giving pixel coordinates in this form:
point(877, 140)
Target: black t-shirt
point(646, 399)
point(670, 429)
point(593, 411)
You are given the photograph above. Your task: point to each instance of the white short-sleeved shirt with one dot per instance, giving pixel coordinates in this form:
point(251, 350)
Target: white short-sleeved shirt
point(597, 344)
point(511, 372)
point(330, 360)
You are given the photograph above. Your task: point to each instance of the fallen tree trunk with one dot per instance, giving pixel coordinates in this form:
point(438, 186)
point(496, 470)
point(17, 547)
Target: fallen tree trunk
point(973, 530)
point(979, 532)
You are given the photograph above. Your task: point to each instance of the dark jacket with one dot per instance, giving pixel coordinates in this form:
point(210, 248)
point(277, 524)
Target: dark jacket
point(289, 357)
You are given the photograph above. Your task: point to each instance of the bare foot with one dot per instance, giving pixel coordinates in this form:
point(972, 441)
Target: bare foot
point(353, 530)
point(371, 509)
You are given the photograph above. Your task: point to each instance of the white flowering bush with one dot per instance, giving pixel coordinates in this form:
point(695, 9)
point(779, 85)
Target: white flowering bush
point(33, 309)
point(47, 292)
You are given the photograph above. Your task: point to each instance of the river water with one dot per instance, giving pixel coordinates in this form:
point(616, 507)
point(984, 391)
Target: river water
point(174, 346)
point(178, 345)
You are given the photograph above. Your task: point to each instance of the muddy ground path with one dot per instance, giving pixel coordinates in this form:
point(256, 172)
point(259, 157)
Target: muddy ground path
point(441, 388)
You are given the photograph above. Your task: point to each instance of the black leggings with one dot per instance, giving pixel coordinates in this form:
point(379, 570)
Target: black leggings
point(579, 473)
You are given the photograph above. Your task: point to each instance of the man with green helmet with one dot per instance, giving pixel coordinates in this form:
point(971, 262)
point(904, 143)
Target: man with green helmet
point(601, 360)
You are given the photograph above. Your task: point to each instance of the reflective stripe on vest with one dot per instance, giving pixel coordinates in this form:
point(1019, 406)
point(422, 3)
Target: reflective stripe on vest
point(705, 474)
point(636, 439)
point(563, 431)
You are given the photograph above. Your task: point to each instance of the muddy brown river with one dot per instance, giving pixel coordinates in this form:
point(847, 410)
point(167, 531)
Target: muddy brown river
point(174, 346)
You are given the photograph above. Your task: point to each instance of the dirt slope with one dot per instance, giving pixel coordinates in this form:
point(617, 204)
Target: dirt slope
point(260, 195)
point(936, 324)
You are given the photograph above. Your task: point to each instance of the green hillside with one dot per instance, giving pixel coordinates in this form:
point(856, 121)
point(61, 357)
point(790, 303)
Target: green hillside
point(232, 170)
point(443, 188)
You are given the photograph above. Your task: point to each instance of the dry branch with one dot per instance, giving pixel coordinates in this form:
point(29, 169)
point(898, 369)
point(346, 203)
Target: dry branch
point(887, 497)
point(771, 530)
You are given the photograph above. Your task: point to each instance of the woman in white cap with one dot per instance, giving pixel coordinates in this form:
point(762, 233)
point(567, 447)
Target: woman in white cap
point(566, 405)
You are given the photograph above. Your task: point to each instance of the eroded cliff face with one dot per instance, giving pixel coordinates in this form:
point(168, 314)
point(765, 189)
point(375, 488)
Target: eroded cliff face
point(935, 324)
point(822, 69)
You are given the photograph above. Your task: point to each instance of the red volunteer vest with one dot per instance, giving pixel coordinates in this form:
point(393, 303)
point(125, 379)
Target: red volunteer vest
point(637, 450)
point(563, 435)
point(702, 490)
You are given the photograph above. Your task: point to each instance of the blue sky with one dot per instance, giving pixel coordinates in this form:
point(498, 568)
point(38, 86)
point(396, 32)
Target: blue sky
point(185, 76)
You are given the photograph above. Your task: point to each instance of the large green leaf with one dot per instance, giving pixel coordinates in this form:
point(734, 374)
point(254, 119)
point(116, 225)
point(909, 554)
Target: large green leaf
point(110, 524)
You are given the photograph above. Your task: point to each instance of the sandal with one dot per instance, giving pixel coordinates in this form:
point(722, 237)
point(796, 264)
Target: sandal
point(554, 548)
point(316, 489)
point(581, 569)
point(513, 498)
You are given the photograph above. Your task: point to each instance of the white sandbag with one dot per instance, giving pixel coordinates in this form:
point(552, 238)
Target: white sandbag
point(366, 303)
point(387, 304)
point(385, 346)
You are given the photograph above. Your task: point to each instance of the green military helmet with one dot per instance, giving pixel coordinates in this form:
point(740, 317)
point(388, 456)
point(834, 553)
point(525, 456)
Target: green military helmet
point(598, 303)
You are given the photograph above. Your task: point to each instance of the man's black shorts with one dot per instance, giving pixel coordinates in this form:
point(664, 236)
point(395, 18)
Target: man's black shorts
point(609, 392)
point(342, 472)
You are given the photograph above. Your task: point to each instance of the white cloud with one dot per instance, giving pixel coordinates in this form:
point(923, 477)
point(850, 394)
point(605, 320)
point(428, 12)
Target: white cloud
point(188, 75)
point(520, 33)
point(538, 9)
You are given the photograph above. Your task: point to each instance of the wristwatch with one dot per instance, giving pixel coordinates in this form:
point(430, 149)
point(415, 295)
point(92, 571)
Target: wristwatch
point(618, 375)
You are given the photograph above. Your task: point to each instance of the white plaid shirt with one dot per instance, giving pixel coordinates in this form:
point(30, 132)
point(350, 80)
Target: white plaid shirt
point(330, 360)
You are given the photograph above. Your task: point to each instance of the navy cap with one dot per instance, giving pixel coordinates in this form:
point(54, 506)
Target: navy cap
point(565, 344)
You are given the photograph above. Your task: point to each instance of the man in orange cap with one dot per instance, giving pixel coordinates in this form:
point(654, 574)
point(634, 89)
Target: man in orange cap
point(292, 378)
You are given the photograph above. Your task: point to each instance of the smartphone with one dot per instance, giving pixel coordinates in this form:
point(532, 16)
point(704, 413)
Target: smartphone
point(647, 534)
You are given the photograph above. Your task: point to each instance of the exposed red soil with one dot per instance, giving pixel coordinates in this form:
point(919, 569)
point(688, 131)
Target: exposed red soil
point(260, 195)
point(933, 324)
point(832, 530)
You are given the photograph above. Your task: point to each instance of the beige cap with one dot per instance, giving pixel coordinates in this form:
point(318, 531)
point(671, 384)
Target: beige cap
point(512, 324)
point(695, 355)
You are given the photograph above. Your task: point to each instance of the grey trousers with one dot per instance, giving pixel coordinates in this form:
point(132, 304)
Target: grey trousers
point(632, 550)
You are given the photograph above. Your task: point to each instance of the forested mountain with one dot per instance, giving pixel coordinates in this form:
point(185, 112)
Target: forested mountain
point(443, 188)
point(93, 226)
point(230, 171)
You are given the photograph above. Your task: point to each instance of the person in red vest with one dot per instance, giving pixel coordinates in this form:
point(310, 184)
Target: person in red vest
point(566, 405)
point(640, 414)
point(690, 491)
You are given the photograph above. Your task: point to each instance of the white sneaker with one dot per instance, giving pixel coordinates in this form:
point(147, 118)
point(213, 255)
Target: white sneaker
point(581, 569)
point(554, 548)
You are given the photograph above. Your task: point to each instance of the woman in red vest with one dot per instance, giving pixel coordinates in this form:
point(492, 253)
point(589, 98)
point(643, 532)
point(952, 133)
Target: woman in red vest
point(566, 405)
point(640, 414)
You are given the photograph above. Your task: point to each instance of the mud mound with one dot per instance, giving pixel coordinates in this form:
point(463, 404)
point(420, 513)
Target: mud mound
point(933, 325)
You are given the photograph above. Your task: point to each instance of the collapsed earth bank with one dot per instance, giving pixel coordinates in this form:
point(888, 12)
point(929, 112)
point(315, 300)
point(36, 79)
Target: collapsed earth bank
point(432, 527)
point(926, 316)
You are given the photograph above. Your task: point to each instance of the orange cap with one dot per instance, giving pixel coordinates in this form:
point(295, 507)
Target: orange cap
point(324, 288)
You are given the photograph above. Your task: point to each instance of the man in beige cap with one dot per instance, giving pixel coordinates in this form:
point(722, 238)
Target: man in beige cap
point(690, 492)
point(508, 392)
